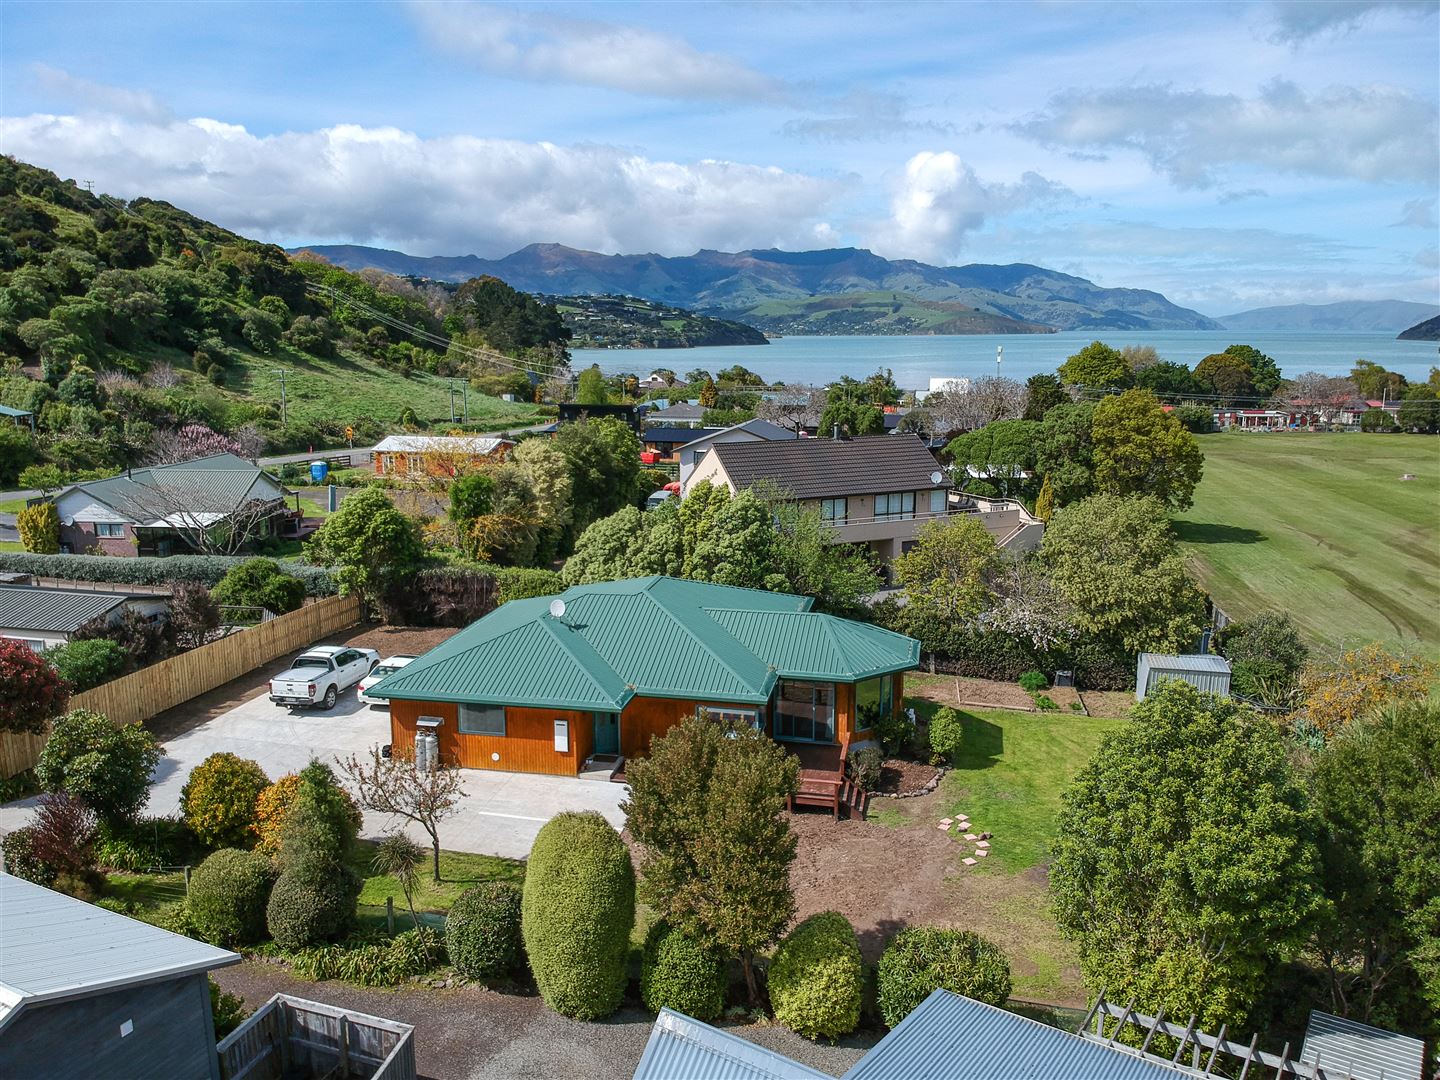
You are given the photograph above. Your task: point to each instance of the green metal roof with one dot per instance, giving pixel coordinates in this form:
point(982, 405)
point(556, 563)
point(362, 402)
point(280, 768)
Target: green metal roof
point(6, 410)
point(219, 483)
point(653, 636)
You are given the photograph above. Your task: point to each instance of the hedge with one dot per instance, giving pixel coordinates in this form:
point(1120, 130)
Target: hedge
point(817, 976)
point(228, 895)
point(308, 906)
point(947, 734)
point(923, 959)
point(576, 913)
point(207, 570)
point(482, 930)
point(677, 972)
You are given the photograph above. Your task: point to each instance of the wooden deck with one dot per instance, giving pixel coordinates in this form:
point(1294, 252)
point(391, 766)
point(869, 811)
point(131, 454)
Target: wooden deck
point(823, 781)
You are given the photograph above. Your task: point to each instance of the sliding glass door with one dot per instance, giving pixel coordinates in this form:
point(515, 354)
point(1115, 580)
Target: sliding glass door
point(805, 711)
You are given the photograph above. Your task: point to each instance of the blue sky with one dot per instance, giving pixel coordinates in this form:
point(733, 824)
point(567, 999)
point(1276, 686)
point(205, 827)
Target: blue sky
point(1231, 155)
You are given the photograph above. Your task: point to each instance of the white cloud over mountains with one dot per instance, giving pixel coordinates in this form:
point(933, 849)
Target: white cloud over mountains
point(1298, 21)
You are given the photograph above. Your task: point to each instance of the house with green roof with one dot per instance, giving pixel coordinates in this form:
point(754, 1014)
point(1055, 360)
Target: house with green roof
point(582, 681)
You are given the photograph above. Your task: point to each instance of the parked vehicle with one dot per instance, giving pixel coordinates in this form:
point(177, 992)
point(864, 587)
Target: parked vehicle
point(388, 666)
point(659, 498)
point(317, 676)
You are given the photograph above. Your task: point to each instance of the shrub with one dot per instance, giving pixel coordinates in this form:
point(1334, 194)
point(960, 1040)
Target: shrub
point(206, 570)
point(895, 731)
point(87, 664)
point(863, 765)
point(106, 767)
point(143, 641)
point(39, 528)
point(64, 839)
point(21, 860)
point(322, 822)
point(816, 978)
point(312, 904)
point(1195, 419)
point(1377, 420)
point(144, 842)
point(1266, 656)
point(520, 583)
point(228, 895)
point(482, 931)
point(927, 958)
point(31, 691)
point(678, 972)
point(260, 583)
point(1045, 703)
point(577, 909)
point(1100, 665)
point(946, 734)
point(227, 1010)
point(218, 800)
point(1031, 681)
point(374, 963)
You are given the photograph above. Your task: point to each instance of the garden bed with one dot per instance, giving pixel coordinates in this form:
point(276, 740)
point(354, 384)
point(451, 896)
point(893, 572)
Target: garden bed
point(901, 777)
point(960, 692)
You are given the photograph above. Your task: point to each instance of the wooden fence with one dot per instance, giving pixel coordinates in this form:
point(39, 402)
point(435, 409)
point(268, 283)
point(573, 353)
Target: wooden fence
point(152, 690)
point(292, 1037)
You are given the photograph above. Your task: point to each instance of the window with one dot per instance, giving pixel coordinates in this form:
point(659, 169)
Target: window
point(730, 714)
point(109, 528)
point(874, 698)
point(482, 719)
point(833, 510)
point(937, 501)
point(898, 504)
point(805, 711)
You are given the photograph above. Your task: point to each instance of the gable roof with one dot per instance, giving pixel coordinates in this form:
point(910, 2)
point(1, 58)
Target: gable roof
point(822, 468)
point(681, 410)
point(653, 637)
point(761, 429)
point(680, 1047)
point(440, 444)
point(215, 485)
point(60, 611)
point(1344, 1047)
point(665, 433)
point(54, 947)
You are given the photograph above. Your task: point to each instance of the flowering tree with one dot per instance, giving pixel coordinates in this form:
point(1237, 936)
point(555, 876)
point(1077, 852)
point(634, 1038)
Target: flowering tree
point(1358, 682)
point(31, 691)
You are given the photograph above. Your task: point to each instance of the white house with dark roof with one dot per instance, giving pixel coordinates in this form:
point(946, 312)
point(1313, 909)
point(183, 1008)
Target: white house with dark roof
point(44, 618)
point(756, 430)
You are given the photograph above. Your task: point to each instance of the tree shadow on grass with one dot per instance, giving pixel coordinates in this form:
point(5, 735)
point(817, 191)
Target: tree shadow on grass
point(983, 745)
point(1196, 532)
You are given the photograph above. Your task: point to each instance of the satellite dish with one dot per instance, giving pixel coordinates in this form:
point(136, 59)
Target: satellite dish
point(937, 477)
point(557, 608)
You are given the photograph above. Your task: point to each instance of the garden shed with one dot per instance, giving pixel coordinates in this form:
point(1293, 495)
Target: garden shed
point(1204, 672)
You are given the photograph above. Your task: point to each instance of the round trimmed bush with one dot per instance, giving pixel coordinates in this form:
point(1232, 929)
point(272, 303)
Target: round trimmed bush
point(946, 734)
point(228, 895)
point(218, 800)
point(310, 905)
point(677, 972)
point(576, 913)
point(482, 931)
point(816, 978)
point(21, 860)
point(923, 959)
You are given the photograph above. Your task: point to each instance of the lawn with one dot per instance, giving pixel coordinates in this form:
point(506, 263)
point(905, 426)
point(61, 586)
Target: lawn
point(11, 545)
point(12, 506)
point(1321, 526)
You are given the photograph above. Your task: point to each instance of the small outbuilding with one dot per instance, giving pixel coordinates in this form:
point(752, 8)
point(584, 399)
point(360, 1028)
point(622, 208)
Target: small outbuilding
point(1201, 670)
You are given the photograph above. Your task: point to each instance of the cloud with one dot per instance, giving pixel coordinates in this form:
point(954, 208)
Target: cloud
point(447, 195)
point(1428, 258)
point(552, 48)
point(1298, 21)
point(1418, 214)
point(864, 114)
point(1364, 133)
point(97, 97)
point(939, 200)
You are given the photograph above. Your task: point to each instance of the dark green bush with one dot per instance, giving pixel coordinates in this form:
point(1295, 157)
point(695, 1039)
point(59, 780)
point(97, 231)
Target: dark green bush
point(863, 766)
point(227, 1010)
point(677, 972)
point(260, 583)
point(312, 904)
point(1045, 703)
point(87, 664)
point(927, 958)
point(519, 583)
point(21, 860)
point(1377, 420)
point(321, 823)
point(106, 767)
point(366, 961)
point(205, 569)
point(218, 800)
point(816, 978)
point(946, 734)
point(895, 730)
point(576, 913)
point(228, 895)
point(1031, 681)
point(482, 930)
point(1100, 665)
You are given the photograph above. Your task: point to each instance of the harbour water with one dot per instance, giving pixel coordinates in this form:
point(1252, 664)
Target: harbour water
point(915, 360)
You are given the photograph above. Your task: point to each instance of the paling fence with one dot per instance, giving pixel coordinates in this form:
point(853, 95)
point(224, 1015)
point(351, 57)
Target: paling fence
point(150, 691)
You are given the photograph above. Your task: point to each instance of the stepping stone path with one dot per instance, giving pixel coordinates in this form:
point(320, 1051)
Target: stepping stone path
point(982, 844)
point(971, 836)
point(961, 822)
point(945, 824)
point(982, 852)
point(968, 862)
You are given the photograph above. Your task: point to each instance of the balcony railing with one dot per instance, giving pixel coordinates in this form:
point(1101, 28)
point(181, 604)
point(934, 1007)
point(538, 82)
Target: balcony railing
point(968, 504)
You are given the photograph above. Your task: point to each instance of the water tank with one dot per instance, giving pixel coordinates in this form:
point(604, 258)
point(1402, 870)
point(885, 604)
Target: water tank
point(422, 751)
point(318, 471)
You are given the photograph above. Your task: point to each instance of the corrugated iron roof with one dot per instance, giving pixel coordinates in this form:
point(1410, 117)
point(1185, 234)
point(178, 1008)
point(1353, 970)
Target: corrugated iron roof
point(949, 1037)
point(60, 611)
point(218, 483)
point(683, 1049)
point(1344, 1047)
point(440, 444)
point(821, 468)
point(1190, 662)
point(6, 410)
point(54, 947)
point(655, 636)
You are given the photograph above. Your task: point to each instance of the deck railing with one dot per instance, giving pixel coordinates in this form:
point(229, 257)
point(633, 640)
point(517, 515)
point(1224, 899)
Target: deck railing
point(292, 1037)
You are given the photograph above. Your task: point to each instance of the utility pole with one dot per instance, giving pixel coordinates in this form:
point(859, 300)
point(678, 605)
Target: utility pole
point(282, 373)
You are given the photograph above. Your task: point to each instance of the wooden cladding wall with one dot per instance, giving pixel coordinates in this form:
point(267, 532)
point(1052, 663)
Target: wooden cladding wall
point(150, 691)
point(646, 717)
point(528, 744)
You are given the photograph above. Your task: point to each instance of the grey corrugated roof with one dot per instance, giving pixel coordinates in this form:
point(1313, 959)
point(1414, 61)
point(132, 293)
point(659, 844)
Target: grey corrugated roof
point(1347, 1048)
point(60, 611)
point(680, 411)
point(949, 1037)
point(54, 947)
point(821, 468)
point(683, 1049)
point(1191, 662)
point(218, 483)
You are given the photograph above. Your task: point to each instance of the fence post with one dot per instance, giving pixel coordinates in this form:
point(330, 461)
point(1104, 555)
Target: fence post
point(187, 882)
point(390, 915)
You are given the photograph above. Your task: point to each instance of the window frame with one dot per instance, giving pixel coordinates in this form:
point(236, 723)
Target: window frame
point(937, 501)
point(102, 530)
point(818, 713)
point(828, 508)
point(463, 708)
point(904, 513)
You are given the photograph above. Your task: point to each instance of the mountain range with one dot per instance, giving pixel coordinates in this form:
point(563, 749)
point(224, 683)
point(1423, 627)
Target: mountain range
point(1346, 315)
point(736, 284)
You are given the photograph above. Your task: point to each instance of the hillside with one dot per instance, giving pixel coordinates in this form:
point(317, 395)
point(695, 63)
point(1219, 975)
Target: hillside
point(626, 322)
point(880, 313)
point(1429, 330)
point(733, 284)
point(1341, 317)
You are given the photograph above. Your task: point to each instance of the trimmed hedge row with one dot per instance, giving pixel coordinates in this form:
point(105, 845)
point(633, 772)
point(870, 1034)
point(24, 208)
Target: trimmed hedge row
point(677, 972)
point(817, 976)
point(206, 570)
point(923, 959)
point(482, 930)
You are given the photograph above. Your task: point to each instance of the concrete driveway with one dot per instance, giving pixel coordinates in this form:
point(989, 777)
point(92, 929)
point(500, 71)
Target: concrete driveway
point(499, 814)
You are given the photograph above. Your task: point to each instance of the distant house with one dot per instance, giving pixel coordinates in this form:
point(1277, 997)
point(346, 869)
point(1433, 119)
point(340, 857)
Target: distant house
point(1204, 671)
point(86, 992)
point(159, 509)
point(665, 442)
point(680, 414)
point(630, 414)
point(44, 618)
point(404, 456)
point(750, 431)
point(18, 416)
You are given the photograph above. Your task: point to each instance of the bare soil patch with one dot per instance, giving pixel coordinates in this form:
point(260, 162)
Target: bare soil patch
point(1116, 703)
point(900, 777)
point(959, 692)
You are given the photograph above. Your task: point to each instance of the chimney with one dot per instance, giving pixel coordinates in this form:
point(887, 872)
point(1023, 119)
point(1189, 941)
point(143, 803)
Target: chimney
point(837, 431)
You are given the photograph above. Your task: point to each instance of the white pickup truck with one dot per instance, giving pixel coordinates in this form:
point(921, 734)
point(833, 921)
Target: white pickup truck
point(318, 675)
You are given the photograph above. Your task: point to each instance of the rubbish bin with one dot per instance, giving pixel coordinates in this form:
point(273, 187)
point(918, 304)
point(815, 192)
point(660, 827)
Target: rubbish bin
point(319, 470)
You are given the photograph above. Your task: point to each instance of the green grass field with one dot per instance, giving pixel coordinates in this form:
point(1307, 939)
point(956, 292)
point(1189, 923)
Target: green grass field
point(1321, 526)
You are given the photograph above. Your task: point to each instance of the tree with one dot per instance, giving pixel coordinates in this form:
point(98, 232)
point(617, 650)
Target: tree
point(1264, 372)
point(794, 407)
point(1337, 691)
point(841, 577)
point(1045, 501)
point(1317, 395)
point(31, 691)
point(17, 451)
point(218, 799)
point(471, 496)
point(1139, 357)
point(1168, 379)
point(1001, 451)
point(546, 471)
point(947, 573)
point(1377, 420)
point(105, 766)
point(1420, 409)
point(1115, 559)
point(1028, 606)
point(397, 785)
point(1140, 449)
point(204, 517)
point(1378, 801)
point(590, 389)
point(194, 615)
point(850, 418)
point(1096, 367)
point(1065, 451)
point(39, 528)
point(369, 542)
point(1226, 375)
point(43, 477)
point(195, 441)
point(399, 857)
point(604, 462)
point(87, 664)
point(259, 583)
point(709, 393)
point(1185, 864)
point(1042, 393)
point(707, 809)
point(1266, 655)
point(1372, 380)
